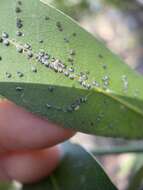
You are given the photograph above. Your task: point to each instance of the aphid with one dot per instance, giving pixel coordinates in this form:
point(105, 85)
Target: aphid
point(17, 9)
point(18, 20)
point(5, 35)
point(73, 105)
point(60, 70)
point(76, 107)
point(66, 73)
point(27, 46)
point(19, 33)
point(71, 69)
point(19, 49)
point(8, 75)
point(71, 76)
point(72, 52)
point(48, 106)
point(53, 59)
point(29, 54)
point(20, 74)
point(66, 40)
point(51, 66)
point(83, 99)
point(46, 63)
point(41, 41)
point(83, 83)
point(6, 42)
point(95, 83)
point(19, 2)
point(51, 88)
point(0, 58)
point(19, 23)
point(19, 89)
point(47, 18)
point(106, 83)
point(80, 80)
point(88, 86)
point(41, 53)
point(57, 65)
point(47, 56)
point(78, 102)
point(34, 69)
point(58, 24)
point(84, 77)
point(105, 78)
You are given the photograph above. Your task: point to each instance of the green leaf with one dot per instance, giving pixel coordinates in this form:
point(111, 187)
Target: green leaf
point(6, 186)
point(113, 106)
point(136, 180)
point(78, 170)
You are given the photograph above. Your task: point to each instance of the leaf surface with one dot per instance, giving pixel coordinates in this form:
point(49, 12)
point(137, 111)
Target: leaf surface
point(89, 89)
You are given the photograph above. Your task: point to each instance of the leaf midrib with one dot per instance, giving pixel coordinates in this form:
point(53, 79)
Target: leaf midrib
point(122, 102)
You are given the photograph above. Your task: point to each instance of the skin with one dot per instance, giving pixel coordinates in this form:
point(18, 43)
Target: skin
point(29, 147)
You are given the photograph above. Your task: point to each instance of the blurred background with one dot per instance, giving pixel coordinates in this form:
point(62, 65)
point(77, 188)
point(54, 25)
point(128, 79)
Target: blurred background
point(119, 23)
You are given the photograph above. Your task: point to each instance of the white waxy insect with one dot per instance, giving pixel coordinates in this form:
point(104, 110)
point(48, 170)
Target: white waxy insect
point(34, 69)
point(8, 75)
point(19, 33)
point(29, 54)
point(6, 42)
point(71, 69)
point(5, 35)
point(19, 89)
point(27, 46)
point(76, 107)
point(88, 86)
point(20, 74)
point(49, 106)
point(71, 76)
point(66, 73)
point(95, 83)
point(19, 49)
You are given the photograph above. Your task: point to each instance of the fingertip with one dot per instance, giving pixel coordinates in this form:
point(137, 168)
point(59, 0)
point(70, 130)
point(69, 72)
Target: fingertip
point(30, 166)
point(20, 129)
